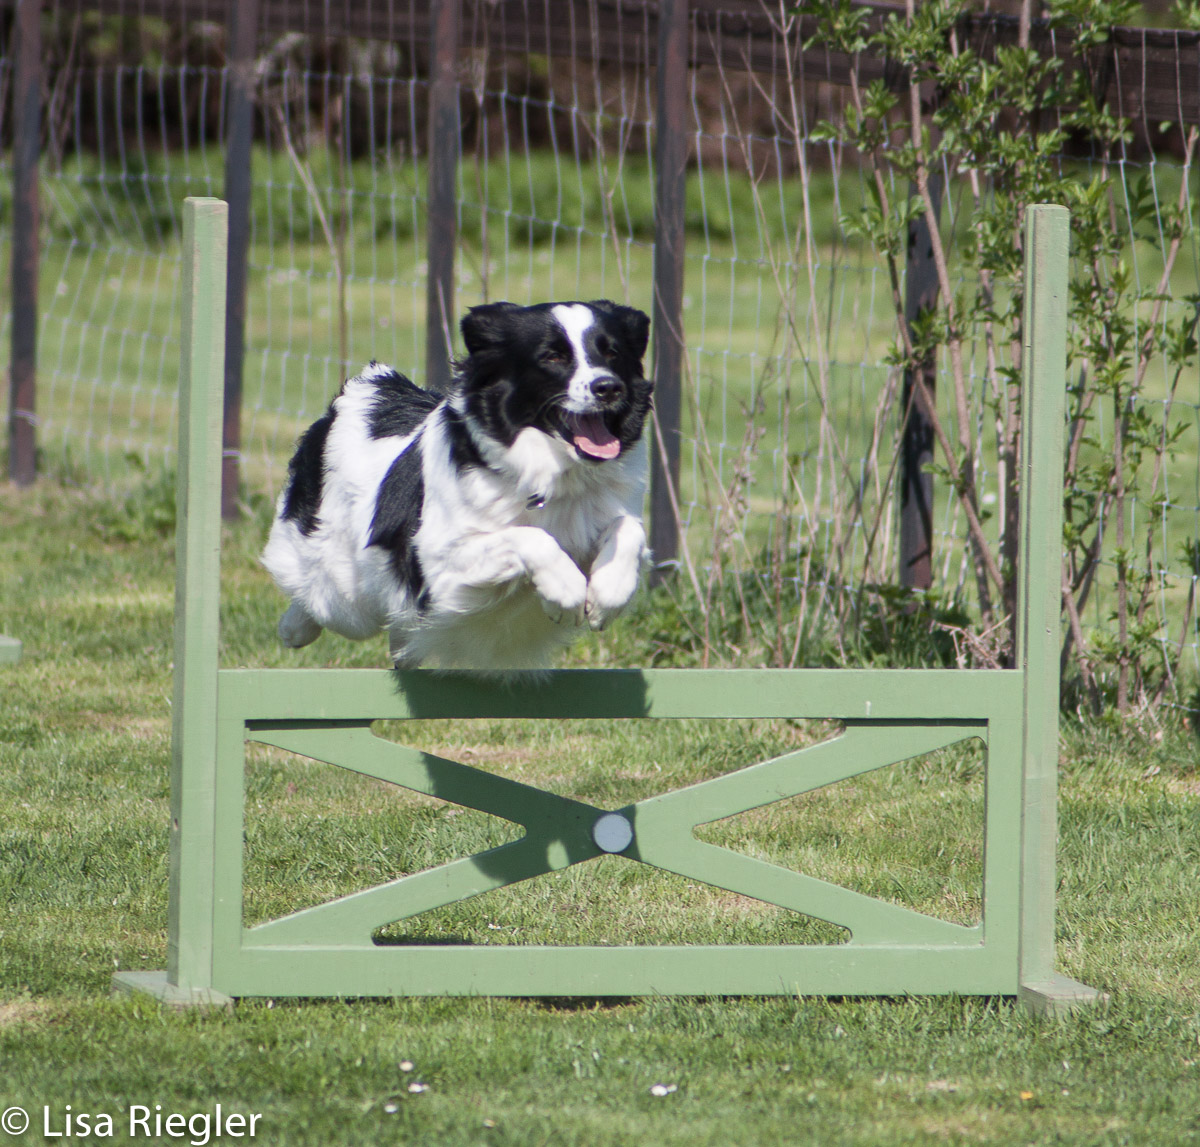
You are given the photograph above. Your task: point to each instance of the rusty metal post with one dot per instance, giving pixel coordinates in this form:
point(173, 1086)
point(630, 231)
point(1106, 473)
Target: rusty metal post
point(27, 127)
point(916, 446)
point(243, 36)
point(670, 160)
point(442, 215)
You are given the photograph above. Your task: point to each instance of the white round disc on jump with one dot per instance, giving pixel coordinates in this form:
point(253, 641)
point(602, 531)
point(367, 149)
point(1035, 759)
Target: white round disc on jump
point(612, 832)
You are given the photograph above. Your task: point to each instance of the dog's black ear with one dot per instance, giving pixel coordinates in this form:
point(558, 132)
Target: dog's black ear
point(484, 326)
point(634, 324)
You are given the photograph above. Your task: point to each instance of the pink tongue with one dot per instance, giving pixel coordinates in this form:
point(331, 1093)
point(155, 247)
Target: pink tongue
point(593, 438)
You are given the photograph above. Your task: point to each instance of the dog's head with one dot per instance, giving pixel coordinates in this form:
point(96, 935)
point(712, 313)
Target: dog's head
point(570, 370)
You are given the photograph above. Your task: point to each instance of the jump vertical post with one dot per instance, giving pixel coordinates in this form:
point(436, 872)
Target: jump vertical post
point(1039, 600)
point(889, 716)
point(188, 978)
point(10, 650)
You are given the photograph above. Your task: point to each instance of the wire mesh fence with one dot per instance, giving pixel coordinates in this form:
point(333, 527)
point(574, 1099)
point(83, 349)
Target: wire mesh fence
point(791, 402)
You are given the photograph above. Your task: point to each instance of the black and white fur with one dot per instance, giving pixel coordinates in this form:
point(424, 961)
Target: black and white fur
point(482, 528)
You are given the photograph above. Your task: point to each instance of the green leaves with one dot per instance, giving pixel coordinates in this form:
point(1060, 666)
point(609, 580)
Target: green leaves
point(1187, 14)
point(841, 25)
point(1002, 119)
point(876, 222)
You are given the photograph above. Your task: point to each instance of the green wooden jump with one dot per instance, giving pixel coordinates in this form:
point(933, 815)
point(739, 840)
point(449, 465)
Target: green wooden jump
point(10, 650)
point(889, 716)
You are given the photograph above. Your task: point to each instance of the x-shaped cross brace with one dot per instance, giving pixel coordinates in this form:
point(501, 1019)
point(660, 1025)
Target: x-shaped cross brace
point(656, 831)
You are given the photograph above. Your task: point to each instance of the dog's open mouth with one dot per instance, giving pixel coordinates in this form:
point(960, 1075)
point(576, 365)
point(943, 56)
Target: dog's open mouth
point(592, 437)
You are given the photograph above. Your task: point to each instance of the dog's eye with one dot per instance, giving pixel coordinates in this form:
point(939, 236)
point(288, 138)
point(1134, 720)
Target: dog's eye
point(554, 357)
point(607, 350)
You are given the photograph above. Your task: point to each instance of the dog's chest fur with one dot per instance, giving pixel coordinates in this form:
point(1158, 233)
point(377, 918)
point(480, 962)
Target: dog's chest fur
point(537, 481)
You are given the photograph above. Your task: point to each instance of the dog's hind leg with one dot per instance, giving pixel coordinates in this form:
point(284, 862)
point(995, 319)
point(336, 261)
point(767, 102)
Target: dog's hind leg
point(297, 627)
point(399, 650)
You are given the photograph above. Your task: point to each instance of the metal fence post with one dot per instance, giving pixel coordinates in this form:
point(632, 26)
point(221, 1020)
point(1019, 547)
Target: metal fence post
point(670, 160)
point(27, 126)
point(916, 448)
point(444, 134)
point(243, 37)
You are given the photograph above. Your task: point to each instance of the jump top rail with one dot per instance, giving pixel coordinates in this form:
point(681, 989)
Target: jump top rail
point(855, 695)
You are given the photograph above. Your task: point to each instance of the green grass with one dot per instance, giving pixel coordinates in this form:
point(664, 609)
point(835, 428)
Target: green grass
point(84, 746)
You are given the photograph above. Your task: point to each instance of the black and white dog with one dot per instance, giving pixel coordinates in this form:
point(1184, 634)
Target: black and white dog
point(482, 528)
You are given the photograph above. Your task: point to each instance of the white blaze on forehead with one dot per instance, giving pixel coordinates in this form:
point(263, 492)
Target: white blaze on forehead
point(575, 319)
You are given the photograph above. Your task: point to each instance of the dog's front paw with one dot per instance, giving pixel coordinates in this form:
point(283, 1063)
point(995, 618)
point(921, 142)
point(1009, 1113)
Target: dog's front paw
point(562, 589)
point(609, 591)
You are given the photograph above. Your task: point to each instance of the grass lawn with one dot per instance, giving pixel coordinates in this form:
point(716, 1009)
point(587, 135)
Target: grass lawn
point(87, 585)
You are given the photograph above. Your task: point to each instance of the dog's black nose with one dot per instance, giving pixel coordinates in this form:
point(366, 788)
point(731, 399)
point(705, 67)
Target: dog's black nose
point(607, 389)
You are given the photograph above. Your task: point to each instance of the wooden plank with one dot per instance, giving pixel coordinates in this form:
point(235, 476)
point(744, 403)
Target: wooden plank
point(837, 694)
point(197, 594)
point(526, 970)
point(10, 651)
point(1039, 591)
